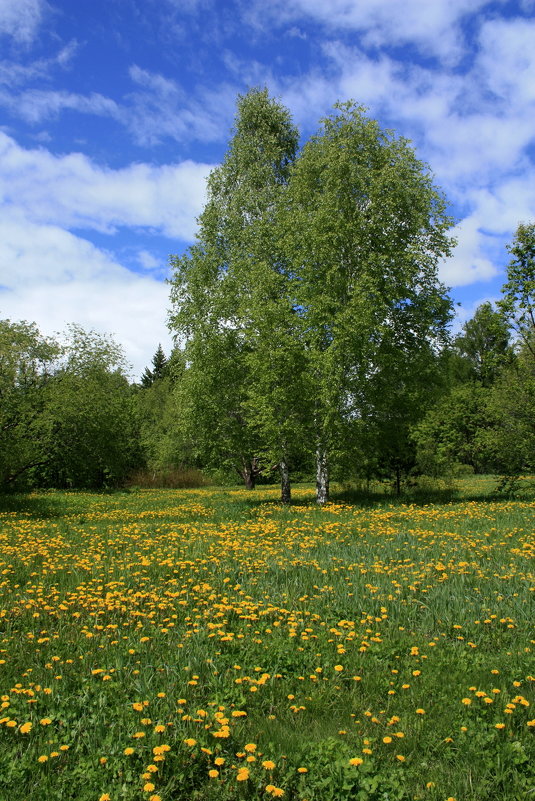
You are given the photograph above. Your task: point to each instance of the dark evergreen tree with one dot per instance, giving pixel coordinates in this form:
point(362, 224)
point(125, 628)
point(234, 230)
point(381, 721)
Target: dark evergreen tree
point(159, 368)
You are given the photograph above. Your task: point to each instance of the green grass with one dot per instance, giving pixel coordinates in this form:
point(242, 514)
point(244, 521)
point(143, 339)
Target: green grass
point(323, 630)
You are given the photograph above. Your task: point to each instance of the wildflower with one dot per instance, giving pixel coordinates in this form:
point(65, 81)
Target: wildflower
point(387, 739)
point(25, 728)
point(243, 775)
point(219, 761)
point(420, 711)
point(356, 761)
point(45, 721)
point(42, 758)
point(400, 757)
point(250, 747)
point(148, 787)
point(213, 774)
point(128, 751)
point(105, 797)
point(190, 741)
point(466, 701)
point(268, 764)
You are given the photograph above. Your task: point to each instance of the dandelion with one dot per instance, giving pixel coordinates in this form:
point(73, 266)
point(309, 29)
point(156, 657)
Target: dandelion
point(148, 787)
point(243, 775)
point(42, 758)
point(26, 728)
point(213, 774)
point(356, 761)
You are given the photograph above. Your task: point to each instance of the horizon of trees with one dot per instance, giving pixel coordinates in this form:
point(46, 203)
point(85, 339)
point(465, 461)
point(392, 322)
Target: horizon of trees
point(313, 335)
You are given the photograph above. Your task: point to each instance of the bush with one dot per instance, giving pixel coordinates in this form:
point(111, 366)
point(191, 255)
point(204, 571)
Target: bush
point(172, 478)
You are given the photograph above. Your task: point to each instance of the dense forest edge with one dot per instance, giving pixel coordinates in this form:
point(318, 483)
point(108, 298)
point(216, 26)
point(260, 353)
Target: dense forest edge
point(313, 339)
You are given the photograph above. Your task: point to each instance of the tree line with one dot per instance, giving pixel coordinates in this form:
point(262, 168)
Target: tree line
point(312, 334)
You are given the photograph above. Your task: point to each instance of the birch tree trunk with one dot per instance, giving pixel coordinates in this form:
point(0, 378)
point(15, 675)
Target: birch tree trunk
point(286, 495)
point(322, 475)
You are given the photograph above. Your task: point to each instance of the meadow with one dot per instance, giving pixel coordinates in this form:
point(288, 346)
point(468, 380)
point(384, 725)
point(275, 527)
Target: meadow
point(193, 645)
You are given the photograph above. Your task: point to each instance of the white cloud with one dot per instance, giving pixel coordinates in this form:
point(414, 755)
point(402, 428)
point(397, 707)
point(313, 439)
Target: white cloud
point(159, 108)
point(36, 105)
point(433, 27)
point(72, 191)
point(53, 278)
point(470, 262)
point(21, 19)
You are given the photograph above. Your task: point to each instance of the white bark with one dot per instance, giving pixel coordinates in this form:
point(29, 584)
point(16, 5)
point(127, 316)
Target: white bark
point(322, 475)
point(286, 495)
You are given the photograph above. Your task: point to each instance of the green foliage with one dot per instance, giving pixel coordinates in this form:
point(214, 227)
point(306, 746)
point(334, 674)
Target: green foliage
point(512, 408)
point(230, 306)
point(483, 349)
point(518, 302)
point(26, 366)
point(364, 229)
point(66, 408)
point(457, 430)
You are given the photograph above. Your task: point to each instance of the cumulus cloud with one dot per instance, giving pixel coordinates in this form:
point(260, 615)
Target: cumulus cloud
point(72, 191)
point(20, 19)
point(53, 277)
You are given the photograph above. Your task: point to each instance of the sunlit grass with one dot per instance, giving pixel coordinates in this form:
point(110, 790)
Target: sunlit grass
point(210, 644)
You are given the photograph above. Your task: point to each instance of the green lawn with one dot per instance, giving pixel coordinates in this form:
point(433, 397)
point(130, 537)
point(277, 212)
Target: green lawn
point(210, 644)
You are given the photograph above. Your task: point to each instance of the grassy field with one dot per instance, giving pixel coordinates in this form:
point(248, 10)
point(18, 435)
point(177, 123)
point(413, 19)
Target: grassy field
point(210, 644)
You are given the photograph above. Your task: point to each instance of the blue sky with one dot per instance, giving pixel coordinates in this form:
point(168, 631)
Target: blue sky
point(112, 113)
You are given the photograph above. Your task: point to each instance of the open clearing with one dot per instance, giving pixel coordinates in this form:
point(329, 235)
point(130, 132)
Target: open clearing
point(211, 644)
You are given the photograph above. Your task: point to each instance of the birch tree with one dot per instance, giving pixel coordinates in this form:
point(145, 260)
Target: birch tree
point(364, 229)
point(228, 294)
